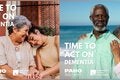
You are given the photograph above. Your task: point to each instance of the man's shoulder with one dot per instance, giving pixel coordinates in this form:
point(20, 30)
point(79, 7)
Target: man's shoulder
point(84, 37)
point(89, 34)
point(112, 36)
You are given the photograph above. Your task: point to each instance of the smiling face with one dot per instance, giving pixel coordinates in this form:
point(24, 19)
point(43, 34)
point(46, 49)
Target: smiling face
point(35, 39)
point(99, 18)
point(21, 33)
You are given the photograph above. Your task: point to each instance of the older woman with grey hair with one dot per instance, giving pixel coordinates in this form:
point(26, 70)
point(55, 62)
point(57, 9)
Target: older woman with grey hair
point(15, 53)
point(115, 48)
point(116, 32)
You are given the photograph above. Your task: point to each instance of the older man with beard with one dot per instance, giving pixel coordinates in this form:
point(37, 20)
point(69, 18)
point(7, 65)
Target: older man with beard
point(15, 53)
point(102, 59)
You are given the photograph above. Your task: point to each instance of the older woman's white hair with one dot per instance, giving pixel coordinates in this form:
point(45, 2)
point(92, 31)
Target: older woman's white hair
point(19, 21)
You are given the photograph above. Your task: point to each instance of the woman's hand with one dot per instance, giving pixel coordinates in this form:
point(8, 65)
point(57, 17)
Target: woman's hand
point(33, 73)
point(115, 48)
point(42, 74)
point(83, 36)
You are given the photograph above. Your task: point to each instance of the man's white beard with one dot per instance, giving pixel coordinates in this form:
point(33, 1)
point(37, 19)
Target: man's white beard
point(97, 29)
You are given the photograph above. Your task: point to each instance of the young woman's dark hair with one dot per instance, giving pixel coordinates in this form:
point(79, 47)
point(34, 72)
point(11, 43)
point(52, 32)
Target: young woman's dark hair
point(42, 30)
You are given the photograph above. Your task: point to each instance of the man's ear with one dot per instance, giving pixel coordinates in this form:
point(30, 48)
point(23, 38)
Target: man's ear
point(90, 17)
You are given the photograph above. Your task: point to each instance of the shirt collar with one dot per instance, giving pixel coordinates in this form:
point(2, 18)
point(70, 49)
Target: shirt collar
point(105, 35)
